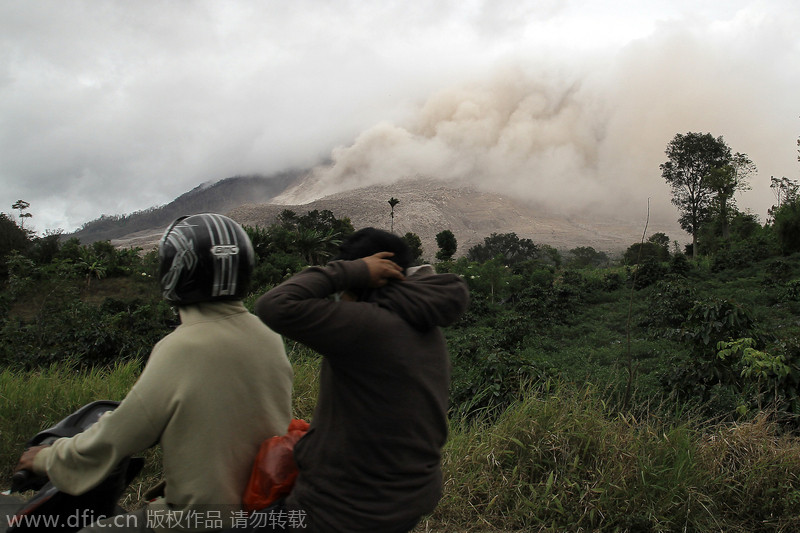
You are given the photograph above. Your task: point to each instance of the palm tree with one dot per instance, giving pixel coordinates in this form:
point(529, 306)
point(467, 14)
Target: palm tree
point(92, 265)
point(22, 205)
point(393, 202)
point(315, 245)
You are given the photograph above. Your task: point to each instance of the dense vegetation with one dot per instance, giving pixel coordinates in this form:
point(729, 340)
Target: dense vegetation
point(651, 392)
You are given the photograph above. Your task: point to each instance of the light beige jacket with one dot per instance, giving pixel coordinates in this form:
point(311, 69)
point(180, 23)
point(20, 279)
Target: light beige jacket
point(210, 393)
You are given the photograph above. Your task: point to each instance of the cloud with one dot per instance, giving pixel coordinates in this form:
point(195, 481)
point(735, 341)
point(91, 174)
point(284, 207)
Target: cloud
point(591, 135)
point(118, 106)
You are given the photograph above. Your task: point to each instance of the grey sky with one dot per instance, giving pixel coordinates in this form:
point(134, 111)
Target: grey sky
point(107, 107)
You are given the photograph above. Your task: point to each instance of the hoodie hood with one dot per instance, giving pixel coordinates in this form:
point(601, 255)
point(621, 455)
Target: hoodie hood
point(424, 299)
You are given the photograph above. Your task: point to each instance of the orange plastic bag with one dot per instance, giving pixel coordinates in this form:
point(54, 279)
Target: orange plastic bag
point(274, 469)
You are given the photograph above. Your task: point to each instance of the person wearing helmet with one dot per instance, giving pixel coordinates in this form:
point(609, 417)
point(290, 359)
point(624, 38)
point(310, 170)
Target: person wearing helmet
point(210, 393)
point(371, 458)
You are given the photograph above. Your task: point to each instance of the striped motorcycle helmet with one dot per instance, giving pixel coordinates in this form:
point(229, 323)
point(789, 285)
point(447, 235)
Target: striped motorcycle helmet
point(205, 257)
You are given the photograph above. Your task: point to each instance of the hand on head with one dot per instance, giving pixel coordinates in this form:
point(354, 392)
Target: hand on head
point(381, 269)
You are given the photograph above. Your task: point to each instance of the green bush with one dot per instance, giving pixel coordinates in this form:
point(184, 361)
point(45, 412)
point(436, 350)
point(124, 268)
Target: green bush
point(679, 265)
point(777, 271)
point(86, 334)
point(669, 304)
point(787, 226)
point(792, 291)
point(647, 272)
point(714, 320)
point(644, 251)
point(612, 281)
point(703, 377)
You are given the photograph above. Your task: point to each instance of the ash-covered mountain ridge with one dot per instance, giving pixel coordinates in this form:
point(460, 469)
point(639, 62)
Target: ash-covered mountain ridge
point(426, 207)
point(217, 197)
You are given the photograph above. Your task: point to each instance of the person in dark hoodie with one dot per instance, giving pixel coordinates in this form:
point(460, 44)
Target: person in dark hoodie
point(371, 460)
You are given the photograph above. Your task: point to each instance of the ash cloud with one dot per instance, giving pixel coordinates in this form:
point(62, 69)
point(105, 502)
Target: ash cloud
point(566, 103)
point(592, 140)
point(512, 135)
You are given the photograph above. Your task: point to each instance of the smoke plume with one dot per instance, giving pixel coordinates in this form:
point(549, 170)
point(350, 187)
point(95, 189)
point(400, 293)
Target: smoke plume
point(589, 141)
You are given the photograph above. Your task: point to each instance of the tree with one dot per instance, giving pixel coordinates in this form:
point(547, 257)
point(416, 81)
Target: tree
point(785, 190)
point(93, 265)
point(549, 254)
point(315, 245)
point(641, 252)
point(724, 182)
point(507, 245)
point(45, 248)
point(491, 276)
point(22, 205)
point(315, 236)
point(393, 202)
point(691, 158)
point(12, 238)
point(586, 256)
point(414, 243)
point(787, 226)
point(661, 239)
point(447, 245)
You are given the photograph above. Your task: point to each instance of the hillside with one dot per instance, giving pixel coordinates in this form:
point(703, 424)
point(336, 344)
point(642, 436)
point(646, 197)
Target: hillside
point(218, 197)
point(428, 207)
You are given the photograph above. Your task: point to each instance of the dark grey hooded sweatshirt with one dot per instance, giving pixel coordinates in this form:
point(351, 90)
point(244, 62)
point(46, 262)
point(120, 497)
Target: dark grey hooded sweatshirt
point(371, 459)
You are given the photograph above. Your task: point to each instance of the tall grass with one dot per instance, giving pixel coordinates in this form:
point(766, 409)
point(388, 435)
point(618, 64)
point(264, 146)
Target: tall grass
point(34, 400)
point(562, 460)
point(558, 459)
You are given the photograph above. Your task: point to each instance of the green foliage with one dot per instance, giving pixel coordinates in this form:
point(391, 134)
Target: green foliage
point(778, 271)
point(489, 370)
point(51, 312)
point(613, 281)
point(45, 249)
point(86, 334)
point(294, 242)
point(669, 304)
point(393, 202)
point(715, 320)
point(769, 371)
point(647, 272)
point(721, 234)
point(785, 190)
point(703, 376)
point(509, 307)
point(563, 460)
point(414, 243)
point(70, 250)
point(660, 239)
point(787, 226)
point(510, 248)
point(792, 291)
point(550, 256)
point(277, 267)
point(447, 244)
point(315, 236)
point(491, 278)
point(645, 251)
point(559, 458)
point(12, 239)
point(585, 257)
point(692, 159)
point(679, 265)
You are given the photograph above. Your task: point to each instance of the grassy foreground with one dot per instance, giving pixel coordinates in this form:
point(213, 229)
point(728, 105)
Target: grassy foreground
point(556, 460)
